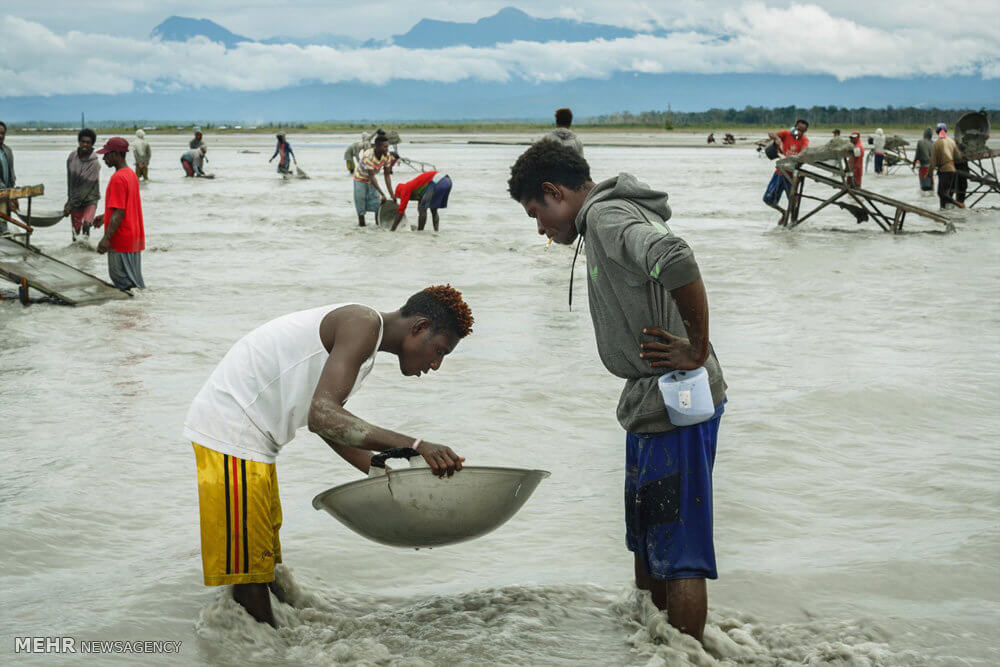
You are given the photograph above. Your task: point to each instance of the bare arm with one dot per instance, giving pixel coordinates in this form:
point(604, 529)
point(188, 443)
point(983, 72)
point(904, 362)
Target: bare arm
point(388, 181)
point(676, 352)
point(354, 336)
point(359, 458)
point(374, 181)
point(110, 227)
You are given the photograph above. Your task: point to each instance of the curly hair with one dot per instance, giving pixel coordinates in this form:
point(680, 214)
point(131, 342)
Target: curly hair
point(564, 117)
point(444, 307)
point(87, 132)
point(546, 161)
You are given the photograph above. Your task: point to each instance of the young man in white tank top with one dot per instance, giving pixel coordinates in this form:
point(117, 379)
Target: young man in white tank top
point(299, 370)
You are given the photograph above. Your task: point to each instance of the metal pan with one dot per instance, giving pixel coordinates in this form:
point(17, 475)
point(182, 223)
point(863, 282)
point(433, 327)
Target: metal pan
point(414, 508)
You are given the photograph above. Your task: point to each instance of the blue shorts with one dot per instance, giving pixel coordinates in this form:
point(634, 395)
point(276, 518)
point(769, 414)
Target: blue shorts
point(777, 185)
point(436, 195)
point(668, 499)
point(366, 198)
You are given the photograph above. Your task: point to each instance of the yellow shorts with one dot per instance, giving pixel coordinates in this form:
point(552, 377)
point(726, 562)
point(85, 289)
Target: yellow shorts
point(240, 518)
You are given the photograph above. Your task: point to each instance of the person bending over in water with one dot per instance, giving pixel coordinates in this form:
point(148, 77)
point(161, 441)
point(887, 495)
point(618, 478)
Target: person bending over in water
point(431, 189)
point(193, 161)
point(294, 371)
point(650, 315)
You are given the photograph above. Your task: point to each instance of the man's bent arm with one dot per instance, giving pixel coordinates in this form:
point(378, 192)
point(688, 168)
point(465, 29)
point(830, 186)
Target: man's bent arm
point(692, 303)
point(355, 342)
point(359, 458)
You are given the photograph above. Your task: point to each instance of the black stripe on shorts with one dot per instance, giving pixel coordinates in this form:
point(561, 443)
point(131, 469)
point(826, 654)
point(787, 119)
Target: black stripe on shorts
point(246, 546)
point(229, 527)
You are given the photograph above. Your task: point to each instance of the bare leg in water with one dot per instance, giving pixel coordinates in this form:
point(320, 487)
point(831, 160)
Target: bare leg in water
point(256, 599)
point(421, 219)
point(361, 220)
point(684, 600)
point(434, 218)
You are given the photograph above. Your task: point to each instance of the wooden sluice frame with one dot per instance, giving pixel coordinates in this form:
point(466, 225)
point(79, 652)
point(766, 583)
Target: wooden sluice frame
point(30, 268)
point(841, 180)
point(982, 172)
point(23, 192)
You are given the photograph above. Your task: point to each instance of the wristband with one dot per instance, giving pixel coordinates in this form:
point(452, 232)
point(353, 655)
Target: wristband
point(416, 443)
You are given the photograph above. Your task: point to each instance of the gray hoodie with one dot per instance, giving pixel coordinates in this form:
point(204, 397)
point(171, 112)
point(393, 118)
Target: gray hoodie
point(566, 137)
point(633, 261)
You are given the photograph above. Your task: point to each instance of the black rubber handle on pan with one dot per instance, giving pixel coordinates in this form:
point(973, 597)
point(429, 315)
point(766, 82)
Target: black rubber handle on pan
point(395, 453)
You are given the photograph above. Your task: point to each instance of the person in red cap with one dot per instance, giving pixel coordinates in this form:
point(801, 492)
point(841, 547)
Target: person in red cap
point(124, 235)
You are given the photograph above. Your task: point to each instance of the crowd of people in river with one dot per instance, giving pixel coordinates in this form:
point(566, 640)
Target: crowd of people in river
point(939, 152)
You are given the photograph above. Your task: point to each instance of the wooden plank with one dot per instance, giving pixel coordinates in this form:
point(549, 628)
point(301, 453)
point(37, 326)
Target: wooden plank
point(821, 206)
point(876, 197)
point(22, 191)
point(53, 277)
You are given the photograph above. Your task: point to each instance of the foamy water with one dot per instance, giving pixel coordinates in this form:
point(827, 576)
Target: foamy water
point(857, 483)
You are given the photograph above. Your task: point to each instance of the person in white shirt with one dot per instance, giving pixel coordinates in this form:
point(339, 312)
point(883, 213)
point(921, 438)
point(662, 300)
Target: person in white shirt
point(295, 371)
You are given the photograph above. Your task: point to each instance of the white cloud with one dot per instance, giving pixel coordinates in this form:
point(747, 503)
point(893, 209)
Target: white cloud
point(794, 39)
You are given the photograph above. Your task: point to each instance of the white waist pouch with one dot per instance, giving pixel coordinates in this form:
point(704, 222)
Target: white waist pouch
point(687, 396)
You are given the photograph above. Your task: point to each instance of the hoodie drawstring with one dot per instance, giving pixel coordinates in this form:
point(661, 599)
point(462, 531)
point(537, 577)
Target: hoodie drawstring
point(571, 270)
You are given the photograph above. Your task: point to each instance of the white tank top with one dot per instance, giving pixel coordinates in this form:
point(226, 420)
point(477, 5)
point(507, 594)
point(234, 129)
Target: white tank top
point(260, 393)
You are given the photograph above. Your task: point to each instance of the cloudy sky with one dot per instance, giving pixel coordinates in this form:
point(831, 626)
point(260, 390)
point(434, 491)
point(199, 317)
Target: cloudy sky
point(55, 47)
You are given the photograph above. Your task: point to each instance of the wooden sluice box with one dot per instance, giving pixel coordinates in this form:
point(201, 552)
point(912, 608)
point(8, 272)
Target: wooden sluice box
point(29, 268)
point(830, 166)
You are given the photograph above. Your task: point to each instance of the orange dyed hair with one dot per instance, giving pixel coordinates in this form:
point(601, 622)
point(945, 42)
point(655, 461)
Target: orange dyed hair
point(444, 306)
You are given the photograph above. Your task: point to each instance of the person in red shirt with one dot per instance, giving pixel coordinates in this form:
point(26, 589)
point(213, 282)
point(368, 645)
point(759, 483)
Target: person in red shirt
point(792, 142)
point(858, 159)
point(431, 190)
point(124, 235)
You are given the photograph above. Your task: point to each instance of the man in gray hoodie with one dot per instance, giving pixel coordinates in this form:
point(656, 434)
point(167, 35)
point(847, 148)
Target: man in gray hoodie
point(650, 316)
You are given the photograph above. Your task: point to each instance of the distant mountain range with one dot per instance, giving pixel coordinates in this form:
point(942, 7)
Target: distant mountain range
point(508, 25)
point(475, 99)
point(182, 28)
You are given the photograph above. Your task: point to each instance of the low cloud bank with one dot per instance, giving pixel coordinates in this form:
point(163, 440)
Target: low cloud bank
point(799, 39)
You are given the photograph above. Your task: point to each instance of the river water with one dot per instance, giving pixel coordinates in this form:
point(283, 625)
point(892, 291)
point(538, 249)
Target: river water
point(857, 482)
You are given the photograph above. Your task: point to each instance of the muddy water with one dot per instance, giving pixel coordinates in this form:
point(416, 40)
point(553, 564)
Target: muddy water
point(857, 501)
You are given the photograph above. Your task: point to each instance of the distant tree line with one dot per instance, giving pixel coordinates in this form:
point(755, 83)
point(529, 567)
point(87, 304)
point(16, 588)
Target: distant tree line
point(781, 116)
